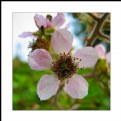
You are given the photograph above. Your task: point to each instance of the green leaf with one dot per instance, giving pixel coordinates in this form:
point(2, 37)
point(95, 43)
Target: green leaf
point(84, 71)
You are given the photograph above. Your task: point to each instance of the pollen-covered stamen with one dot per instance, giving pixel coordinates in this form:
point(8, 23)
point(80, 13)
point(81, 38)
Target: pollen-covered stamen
point(40, 43)
point(65, 66)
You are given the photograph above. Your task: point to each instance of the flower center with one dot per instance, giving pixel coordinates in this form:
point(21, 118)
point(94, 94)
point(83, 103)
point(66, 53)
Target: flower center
point(40, 43)
point(65, 66)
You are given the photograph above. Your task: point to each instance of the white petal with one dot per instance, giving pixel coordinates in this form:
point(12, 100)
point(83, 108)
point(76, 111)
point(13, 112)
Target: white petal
point(108, 57)
point(47, 87)
point(77, 87)
point(100, 50)
point(88, 56)
point(39, 59)
point(62, 41)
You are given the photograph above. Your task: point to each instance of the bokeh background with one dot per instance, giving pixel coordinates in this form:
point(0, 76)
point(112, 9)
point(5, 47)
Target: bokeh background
point(25, 80)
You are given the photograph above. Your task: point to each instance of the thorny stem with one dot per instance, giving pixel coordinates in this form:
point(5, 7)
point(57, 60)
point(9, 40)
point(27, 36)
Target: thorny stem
point(93, 16)
point(55, 102)
point(96, 32)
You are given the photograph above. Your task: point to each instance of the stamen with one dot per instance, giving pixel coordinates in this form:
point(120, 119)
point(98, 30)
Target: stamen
point(39, 43)
point(68, 53)
point(67, 81)
point(65, 66)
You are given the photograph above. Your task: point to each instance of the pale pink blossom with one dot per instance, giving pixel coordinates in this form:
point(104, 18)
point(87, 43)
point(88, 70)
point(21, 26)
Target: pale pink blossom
point(101, 50)
point(56, 22)
point(41, 21)
point(75, 85)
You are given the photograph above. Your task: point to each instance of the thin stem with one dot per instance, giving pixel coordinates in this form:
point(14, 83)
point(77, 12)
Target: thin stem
point(55, 101)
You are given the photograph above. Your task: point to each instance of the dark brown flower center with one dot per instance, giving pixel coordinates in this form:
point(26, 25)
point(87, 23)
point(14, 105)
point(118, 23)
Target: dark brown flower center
point(65, 66)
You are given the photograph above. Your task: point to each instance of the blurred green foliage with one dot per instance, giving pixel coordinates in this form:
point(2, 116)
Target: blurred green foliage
point(25, 96)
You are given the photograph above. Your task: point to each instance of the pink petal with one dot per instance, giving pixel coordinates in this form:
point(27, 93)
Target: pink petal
point(108, 57)
point(67, 26)
point(88, 56)
point(47, 87)
point(40, 21)
point(62, 41)
point(100, 50)
point(58, 20)
point(27, 34)
point(39, 59)
point(77, 87)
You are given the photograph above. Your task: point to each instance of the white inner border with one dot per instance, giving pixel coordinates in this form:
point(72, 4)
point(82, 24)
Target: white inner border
point(8, 8)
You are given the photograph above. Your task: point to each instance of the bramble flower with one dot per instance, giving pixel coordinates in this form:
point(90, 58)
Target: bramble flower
point(103, 65)
point(56, 22)
point(101, 50)
point(64, 68)
point(43, 23)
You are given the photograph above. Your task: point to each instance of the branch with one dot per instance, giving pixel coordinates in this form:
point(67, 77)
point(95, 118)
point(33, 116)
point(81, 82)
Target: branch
point(90, 75)
point(96, 30)
point(104, 36)
point(93, 16)
point(104, 16)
